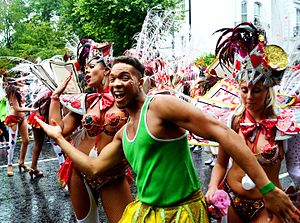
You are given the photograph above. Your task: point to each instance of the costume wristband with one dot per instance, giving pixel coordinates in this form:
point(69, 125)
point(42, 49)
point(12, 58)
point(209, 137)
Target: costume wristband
point(267, 188)
point(54, 98)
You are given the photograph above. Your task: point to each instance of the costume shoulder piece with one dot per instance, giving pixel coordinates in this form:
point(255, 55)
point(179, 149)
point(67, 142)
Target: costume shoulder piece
point(74, 102)
point(288, 104)
point(287, 124)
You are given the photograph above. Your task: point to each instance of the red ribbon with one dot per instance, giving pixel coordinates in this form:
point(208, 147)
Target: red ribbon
point(265, 126)
point(107, 100)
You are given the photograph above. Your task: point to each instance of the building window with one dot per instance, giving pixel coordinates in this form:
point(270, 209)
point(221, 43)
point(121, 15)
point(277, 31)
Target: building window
point(244, 11)
point(257, 14)
point(297, 26)
point(257, 9)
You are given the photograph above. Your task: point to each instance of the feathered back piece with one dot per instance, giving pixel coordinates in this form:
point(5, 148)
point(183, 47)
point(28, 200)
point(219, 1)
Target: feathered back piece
point(245, 48)
point(290, 84)
point(166, 66)
point(156, 27)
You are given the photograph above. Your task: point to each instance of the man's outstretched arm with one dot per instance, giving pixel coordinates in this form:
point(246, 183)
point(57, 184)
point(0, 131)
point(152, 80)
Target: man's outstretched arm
point(110, 155)
point(189, 117)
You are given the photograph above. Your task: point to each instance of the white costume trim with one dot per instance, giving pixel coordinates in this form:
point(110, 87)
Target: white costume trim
point(92, 216)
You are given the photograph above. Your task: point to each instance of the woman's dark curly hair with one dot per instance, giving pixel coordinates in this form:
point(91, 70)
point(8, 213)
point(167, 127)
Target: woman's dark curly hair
point(12, 90)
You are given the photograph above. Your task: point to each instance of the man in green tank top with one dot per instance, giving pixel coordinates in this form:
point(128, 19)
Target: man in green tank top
point(155, 144)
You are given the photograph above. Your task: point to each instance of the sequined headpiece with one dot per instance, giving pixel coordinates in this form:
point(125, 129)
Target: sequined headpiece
point(88, 50)
point(245, 49)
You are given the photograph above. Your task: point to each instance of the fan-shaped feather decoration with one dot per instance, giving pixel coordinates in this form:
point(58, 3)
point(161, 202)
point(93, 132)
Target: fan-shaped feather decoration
point(27, 82)
point(294, 55)
point(290, 83)
point(157, 25)
point(164, 63)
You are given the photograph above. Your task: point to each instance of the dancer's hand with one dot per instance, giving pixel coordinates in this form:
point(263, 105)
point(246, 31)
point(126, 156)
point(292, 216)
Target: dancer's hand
point(60, 89)
point(54, 131)
point(278, 203)
point(210, 193)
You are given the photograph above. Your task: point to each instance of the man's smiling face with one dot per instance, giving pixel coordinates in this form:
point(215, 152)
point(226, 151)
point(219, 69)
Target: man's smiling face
point(124, 84)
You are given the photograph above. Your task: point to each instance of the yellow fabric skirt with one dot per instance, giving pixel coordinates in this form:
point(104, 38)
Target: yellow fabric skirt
point(192, 210)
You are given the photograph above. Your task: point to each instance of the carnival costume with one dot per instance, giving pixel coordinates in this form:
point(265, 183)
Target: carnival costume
point(11, 121)
point(244, 207)
point(42, 103)
point(244, 51)
point(92, 125)
point(271, 154)
point(160, 198)
point(39, 91)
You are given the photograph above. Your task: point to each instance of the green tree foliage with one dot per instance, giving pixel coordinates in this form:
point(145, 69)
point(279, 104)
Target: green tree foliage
point(38, 40)
point(12, 13)
point(39, 28)
point(45, 10)
point(29, 30)
point(109, 20)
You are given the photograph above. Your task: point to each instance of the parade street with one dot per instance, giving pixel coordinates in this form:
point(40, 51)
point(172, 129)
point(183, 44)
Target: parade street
point(40, 200)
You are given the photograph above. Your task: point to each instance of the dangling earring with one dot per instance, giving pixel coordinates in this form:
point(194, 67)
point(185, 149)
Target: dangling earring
point(103, 80)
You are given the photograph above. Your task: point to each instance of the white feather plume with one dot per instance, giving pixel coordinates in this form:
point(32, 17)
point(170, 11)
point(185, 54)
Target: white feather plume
point(72, 44)
point(156, 27)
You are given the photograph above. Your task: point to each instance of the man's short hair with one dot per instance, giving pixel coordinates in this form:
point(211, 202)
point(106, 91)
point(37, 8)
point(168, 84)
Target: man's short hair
point(131, 61)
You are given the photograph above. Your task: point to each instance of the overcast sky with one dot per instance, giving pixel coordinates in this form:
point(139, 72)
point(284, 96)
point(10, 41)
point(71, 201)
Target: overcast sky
point(206, 20)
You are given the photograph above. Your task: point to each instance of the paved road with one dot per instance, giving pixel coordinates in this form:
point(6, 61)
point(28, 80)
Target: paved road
point(24, 200)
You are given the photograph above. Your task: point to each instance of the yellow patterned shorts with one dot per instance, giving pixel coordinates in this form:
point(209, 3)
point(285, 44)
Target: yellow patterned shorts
point(193, 209)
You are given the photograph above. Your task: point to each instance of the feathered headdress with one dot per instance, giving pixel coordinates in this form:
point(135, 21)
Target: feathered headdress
point(88, 50)
point(245, 48)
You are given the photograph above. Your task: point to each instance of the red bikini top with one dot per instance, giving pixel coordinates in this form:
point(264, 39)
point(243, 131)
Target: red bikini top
point(111, 122)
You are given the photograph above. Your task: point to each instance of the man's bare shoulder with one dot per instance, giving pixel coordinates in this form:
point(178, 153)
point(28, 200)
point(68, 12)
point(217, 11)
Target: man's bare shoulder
point(160, 100)
point(165, 102)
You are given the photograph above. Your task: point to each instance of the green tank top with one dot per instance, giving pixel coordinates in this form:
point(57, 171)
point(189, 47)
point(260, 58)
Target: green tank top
point(164, 168)
point(3, 109)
